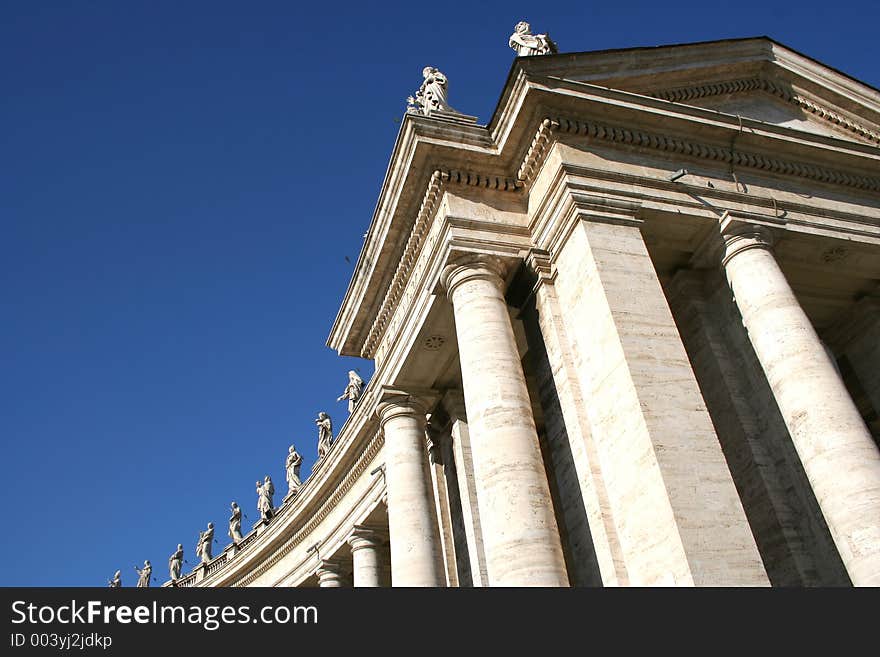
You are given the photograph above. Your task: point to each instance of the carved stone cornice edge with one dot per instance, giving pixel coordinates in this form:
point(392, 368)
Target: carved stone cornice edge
point(434, 192)
point(618, 134)
point(690, 92)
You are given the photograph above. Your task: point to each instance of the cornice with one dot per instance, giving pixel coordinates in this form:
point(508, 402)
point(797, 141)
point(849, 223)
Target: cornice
point(681, 94)
point(618, 134)
point(434, 192)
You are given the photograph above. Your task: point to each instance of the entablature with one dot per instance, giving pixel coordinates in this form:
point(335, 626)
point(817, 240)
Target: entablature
point(548, 100)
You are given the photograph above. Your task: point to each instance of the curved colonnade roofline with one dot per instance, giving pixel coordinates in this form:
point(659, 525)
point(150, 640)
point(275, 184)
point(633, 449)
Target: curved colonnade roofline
point(294, 521)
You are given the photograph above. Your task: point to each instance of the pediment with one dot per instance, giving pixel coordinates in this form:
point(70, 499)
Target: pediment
point(755, 78)
point(768, 101)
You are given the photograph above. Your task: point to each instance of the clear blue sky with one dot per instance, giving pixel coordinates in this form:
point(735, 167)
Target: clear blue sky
point(180, 185)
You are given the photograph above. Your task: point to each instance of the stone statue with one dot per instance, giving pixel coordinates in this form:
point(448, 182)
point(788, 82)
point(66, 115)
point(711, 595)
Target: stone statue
point(525, 43)
point(325, 434)
point(175, 563)
point(265, 491)
point(116, 582)
point(235, 523)
point(431, 96)
point(293, 465)
point(353, 390)
point(206, 539)
point(144, 575)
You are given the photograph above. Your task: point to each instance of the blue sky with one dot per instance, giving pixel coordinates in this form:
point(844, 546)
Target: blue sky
point(184, 187)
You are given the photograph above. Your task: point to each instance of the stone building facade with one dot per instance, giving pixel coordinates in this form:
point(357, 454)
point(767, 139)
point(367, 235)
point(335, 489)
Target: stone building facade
point(627, 333)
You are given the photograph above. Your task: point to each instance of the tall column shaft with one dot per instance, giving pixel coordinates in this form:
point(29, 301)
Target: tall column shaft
point(365, 545)
point(521, 537)
point(601, 542)
point(838, 454)
point(677, 514)
point(464, 470)
point(442, 508)
point(412, 523)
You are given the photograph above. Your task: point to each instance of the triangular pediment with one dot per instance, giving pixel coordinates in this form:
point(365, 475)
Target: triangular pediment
point(753, 78)
point(769, 101)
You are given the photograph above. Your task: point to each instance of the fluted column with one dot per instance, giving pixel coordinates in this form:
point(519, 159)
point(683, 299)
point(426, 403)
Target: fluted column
point(365, 544)
point(412, 523)
point(329, 574)
point(839, 456)
point(522, 543)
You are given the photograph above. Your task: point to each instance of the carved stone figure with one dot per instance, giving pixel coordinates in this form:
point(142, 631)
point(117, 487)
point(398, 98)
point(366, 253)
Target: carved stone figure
point(526, 44)
point(353, 390)
point(431, 96)
point(235, 523)
point(265, 491)
point(206, 539)
point(144, 575)
point(325, 434)
point(293, 465)
point(116, 582)
point(175, 563)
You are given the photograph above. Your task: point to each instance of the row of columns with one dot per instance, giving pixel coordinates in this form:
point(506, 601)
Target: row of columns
point(366, 545)
point(520, 538)
point(838, 454)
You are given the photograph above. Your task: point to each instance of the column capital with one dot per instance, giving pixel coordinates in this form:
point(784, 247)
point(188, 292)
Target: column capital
point(329, 570)
point(472, 266)
point(453, 404)
point(735, 234)
point(363, 536)
point(394, 402)
point(741, 237)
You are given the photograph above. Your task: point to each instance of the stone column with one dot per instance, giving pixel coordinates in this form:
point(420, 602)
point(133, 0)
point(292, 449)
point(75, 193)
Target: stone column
point(412, 522)
point(597, 542)
point(329, 574)
point(838, 454)
point(453, 402)
point(365, 544)
point(442, 506)
point(677, 518)
point(520, 534)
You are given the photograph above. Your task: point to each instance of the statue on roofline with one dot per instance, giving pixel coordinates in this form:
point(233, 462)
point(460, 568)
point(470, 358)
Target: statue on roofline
point(265, 505)
point(235, 523)
point(431, 96)
point(175, 563)
point(526, 44)
point(206, 539)
point(292, 466)
point(144, 575)
point(353, 390)
point(325, 434)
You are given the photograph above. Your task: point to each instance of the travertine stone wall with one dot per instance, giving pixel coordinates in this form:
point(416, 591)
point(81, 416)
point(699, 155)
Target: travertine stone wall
point(412, 518)
point(453, 403)
point(520, 533)
point(862, 350)
point(673, 501)
point(567, 487)
point(456, 516)
point(443, 506)
point(788, 528)
point(838, 453)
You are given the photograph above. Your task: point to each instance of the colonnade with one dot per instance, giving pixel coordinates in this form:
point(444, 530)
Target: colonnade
point(838, 454)
point(512, 535)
